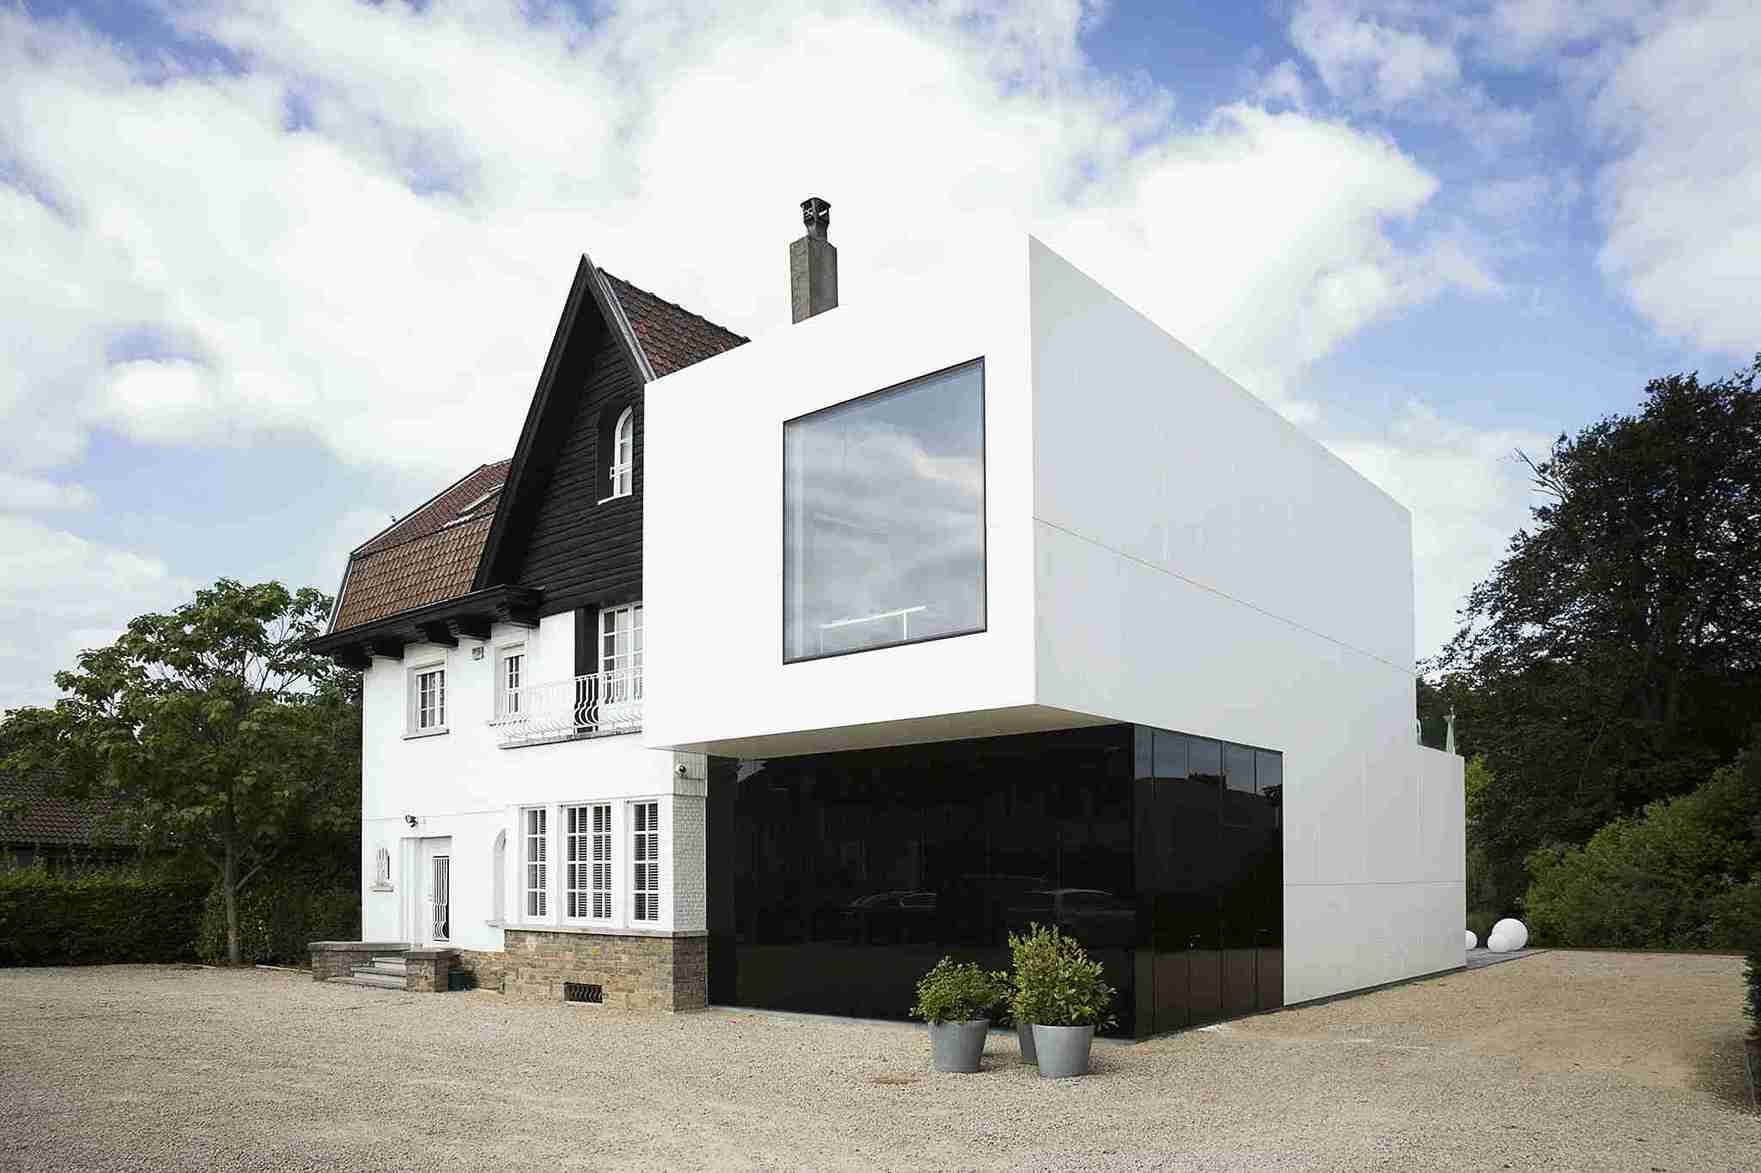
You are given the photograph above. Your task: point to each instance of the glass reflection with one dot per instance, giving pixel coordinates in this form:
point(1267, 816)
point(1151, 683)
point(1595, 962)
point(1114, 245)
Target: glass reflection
point(883, 518)
point(850, 874)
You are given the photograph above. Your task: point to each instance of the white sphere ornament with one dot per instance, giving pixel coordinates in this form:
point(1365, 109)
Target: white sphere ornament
point(1473, 942)
point(1507, 936)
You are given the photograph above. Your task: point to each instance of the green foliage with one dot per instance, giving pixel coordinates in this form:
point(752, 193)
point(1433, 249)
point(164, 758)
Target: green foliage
point(1752, 967)
point(1480, 922)
point(98, 917)
point(213, 729)
point(955, 992)
point(1055, 983)
point(1678, 876)
point(1613, 657)
point(277, 921)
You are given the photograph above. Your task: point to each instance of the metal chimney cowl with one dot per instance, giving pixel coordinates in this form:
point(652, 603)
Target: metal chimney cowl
point(813, 263)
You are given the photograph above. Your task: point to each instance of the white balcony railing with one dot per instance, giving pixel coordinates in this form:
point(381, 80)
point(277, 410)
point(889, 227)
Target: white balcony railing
point(595, 704)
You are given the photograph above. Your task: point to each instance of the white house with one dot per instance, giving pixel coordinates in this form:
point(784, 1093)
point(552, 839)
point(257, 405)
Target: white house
point(767, 672)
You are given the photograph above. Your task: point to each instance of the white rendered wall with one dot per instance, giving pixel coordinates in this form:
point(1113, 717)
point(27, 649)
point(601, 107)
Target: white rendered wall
point(462, 784)
point(712, 518)
point(1201, 565)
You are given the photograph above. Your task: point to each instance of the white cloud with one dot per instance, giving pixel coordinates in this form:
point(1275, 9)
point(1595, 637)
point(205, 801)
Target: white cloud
point(1682, 202)
point(60, 594)
point(1467, 492)
point(391, 266)
point(22, 494)
point(1390, 57)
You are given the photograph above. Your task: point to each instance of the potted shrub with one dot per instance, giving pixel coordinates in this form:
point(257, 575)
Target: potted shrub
point(956, 1000)
point(1067, 997)
point(1033, 954)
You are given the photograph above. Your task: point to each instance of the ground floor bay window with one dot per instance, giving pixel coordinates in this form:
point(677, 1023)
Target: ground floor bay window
point(836, 880)
point(610, 858)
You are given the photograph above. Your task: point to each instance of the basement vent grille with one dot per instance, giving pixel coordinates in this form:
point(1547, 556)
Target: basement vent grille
point(582, 992)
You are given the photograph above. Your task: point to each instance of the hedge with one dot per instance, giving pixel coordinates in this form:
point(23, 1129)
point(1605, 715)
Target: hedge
point(279, 918)
point(96, 918)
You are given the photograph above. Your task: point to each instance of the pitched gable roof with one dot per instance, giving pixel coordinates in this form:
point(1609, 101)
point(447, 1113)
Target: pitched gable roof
point(671, 336)
point(445, 548)
point(427, 557)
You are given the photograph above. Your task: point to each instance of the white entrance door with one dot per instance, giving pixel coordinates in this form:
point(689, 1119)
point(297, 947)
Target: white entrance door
point(435, 914)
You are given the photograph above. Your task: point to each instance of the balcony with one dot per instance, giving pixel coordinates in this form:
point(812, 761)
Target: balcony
point(598, 704)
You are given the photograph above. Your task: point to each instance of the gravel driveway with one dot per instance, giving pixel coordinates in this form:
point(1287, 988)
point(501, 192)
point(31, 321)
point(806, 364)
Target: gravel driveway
point(1557, 1061)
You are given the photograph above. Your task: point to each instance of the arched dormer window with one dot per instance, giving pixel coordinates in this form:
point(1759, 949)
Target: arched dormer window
point(623, 454)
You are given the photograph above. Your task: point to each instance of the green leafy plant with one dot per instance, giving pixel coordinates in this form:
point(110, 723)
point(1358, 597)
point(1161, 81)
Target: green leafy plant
point(1055, 983)
point(97, 918)
point(959, 992)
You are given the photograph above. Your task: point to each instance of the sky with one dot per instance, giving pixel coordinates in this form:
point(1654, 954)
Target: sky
point(271, 274)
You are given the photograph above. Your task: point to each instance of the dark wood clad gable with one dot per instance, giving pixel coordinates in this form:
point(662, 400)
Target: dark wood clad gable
point(580, 549)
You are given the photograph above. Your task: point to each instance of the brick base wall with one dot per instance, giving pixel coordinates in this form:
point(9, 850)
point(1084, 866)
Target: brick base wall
point(636, 972)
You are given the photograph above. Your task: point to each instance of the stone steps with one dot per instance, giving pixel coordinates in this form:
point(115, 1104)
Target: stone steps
point(365, 976)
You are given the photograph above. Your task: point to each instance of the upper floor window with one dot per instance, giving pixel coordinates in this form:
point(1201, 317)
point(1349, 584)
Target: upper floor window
point(510, 667)
point(623, 454)
point(620, 651)
point(883, 518)
point(428, 699)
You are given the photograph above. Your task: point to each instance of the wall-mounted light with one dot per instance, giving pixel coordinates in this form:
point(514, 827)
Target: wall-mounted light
point(477, 652)
point(410, 819)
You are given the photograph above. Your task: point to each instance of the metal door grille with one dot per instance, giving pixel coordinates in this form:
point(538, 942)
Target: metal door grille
point(442, 898)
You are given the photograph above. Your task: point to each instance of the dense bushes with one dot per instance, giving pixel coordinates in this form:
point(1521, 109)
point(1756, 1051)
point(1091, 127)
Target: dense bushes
point(98, 917)
point(278, 918)
point(1681, 875)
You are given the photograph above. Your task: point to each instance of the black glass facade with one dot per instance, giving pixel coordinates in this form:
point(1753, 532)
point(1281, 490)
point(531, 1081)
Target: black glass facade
point(836, 880)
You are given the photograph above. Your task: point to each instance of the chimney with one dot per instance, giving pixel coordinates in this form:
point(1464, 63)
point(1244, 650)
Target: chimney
point(813, 263)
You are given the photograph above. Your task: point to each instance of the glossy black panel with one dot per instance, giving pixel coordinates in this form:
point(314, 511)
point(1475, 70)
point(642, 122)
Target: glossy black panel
point(840, 878)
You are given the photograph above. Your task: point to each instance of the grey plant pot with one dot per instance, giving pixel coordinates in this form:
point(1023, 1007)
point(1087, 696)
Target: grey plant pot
point(1062, 1050)
point(1024, 1032)
point(958, 1045)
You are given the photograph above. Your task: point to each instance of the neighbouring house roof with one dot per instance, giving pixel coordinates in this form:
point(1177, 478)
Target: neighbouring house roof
point(31, 813)
point(434, 554)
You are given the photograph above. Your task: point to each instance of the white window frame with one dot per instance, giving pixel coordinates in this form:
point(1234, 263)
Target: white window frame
point(413, 726)
point(535, 903)
point(507, 699)
point(620, 686)
point(589, 838)
point(643, 823)
point(622, 466)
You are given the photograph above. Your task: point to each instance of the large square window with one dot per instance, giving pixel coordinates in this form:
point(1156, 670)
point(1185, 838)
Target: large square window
point(883, 518)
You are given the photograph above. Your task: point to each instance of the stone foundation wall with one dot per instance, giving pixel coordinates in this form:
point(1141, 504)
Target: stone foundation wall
point(426, 970)
point(339, 958)
point(645, 971)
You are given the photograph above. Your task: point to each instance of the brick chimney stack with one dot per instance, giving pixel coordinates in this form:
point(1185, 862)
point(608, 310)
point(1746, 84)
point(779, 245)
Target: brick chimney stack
point(813, 263)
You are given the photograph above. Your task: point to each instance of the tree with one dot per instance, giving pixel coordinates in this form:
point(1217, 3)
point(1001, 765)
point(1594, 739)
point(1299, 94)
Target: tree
point(213, 728)
point(1613, 657)
point(1681, 874)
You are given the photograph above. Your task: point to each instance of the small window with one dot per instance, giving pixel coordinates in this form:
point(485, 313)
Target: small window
point(537, 857)
point(589, 862)
point(382, 870)
point(510, 669)
point(645, 854)
point(428, 699)
point(623, 455)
